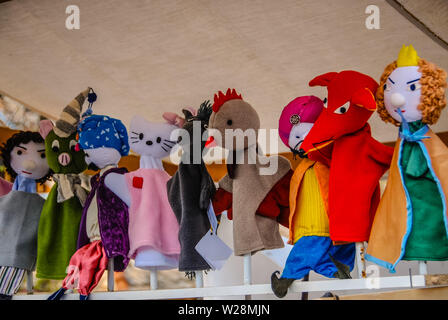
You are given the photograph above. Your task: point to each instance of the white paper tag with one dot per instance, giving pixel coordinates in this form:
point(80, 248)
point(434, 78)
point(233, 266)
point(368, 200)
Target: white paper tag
point(214, 251)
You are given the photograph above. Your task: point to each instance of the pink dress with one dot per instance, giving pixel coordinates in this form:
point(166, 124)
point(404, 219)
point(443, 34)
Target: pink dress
point(153, 228)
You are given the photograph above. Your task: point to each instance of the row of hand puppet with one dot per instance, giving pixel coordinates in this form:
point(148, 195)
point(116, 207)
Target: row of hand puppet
point(329, 202)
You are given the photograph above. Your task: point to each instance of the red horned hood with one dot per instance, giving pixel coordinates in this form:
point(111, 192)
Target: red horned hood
point(351, 102)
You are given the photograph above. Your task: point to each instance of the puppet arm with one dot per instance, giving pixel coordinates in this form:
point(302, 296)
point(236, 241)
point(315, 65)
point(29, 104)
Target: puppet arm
point(117, 184)
point(380, 152)
point(276, 203)
point(208, 189)
point(222, 201)
point(377, 151)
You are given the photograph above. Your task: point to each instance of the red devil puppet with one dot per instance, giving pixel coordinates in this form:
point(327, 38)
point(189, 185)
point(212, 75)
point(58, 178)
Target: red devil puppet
point(341, 139)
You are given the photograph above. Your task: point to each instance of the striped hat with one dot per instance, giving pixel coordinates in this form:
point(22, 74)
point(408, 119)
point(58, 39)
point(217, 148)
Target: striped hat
point(68, 121)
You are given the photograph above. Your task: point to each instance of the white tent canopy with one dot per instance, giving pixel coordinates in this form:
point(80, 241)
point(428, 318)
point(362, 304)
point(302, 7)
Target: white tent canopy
point(146, 57)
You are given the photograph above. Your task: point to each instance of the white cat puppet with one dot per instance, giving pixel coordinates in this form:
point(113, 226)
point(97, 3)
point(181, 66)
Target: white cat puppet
point(153, 228)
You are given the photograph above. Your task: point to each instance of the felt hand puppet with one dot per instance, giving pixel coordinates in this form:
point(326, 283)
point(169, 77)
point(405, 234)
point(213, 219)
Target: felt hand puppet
point(190, 191)
point(341, 139)
point(411, 220)
point(103, 233)
point(24, 157)
point(61, 214)
point(313, 249)
point(258, 201)
point(153, 228)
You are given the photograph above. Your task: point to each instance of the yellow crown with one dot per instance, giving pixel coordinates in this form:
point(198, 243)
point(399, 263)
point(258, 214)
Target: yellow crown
point(407, 57)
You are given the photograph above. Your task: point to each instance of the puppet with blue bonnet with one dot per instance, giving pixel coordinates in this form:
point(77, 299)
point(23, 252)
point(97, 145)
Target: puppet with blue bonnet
point(103, 232)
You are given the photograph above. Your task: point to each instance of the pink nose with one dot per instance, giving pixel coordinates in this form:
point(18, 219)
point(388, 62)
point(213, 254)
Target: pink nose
point(64, 159)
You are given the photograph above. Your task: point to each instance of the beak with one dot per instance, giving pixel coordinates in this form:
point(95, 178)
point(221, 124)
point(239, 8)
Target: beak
point(210, 142)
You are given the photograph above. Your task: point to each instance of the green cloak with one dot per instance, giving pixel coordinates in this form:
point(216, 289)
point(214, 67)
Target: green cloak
point(428, 225)
point(57, 235)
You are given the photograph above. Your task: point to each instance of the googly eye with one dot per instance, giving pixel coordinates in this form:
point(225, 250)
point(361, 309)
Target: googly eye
point(343, 109)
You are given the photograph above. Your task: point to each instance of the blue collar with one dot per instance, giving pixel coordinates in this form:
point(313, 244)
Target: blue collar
point(406, 133)
point(25, 184)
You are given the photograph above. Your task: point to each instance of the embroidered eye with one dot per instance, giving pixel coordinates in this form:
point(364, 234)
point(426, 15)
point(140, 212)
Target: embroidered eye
point(141, 136)
point(343, 109)
point(388, 87)
point(229, 122)
point(158, 139)
point(72, 145)
point(55, 146)
point(413, 86)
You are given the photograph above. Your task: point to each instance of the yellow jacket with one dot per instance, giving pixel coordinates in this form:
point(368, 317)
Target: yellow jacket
point(322, 174)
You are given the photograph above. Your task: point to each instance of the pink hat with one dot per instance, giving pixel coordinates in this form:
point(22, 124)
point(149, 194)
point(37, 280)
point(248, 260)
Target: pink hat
point(301, 109)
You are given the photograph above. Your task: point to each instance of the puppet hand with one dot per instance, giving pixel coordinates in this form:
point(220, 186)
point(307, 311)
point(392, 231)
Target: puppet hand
point(364, 98)
point(204, 198)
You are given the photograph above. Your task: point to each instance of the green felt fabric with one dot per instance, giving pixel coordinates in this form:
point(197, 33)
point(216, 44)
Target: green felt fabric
point(57, 236)
point(428, 239)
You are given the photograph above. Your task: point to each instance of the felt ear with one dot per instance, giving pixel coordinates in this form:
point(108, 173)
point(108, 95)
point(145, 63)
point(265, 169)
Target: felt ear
point(174, 119)
point(45, 126)
point(364, 98)
point(323, 80)
point(187, 114)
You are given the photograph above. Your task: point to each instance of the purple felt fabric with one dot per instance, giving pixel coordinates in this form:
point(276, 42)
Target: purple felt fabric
point(113, 220)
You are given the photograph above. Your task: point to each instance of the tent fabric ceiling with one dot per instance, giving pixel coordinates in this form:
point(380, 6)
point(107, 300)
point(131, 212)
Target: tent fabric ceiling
point(146, 57)
point(433, 14)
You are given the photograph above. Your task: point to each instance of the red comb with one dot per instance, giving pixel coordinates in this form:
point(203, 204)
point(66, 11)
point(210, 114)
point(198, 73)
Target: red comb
point(221, 98)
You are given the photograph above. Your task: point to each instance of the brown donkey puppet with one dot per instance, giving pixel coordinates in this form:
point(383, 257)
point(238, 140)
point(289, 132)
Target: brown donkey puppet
point(255, 191)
